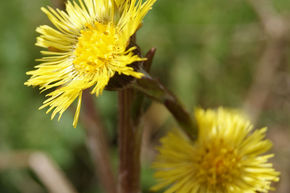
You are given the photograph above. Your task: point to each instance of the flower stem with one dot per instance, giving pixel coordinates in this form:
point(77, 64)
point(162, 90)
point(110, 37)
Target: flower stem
point(97, 144)
point(157, 91)
point(129, 144)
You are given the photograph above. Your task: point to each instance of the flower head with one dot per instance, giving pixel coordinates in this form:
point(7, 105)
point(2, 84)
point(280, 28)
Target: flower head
point(87, 47)
point(226, 158)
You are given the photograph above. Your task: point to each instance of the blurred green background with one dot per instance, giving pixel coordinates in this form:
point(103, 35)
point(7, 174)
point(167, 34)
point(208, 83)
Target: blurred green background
point(207, 53)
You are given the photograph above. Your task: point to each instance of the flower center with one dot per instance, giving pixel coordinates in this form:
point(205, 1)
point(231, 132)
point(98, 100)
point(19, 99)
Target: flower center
point(218, 163)
point(96, 48)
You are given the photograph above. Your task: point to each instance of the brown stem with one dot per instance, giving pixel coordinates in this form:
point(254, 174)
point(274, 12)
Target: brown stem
point(277, 29)
point(129, 145)
point(97, 144)
point(157, 91)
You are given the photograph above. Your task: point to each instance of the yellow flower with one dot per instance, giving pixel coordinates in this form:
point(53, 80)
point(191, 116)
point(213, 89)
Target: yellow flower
point(226, 158)
point(87, 47)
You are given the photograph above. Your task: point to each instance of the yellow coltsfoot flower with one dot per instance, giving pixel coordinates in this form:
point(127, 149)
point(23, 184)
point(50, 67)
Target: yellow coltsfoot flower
point(87, 47)
point(226, 158)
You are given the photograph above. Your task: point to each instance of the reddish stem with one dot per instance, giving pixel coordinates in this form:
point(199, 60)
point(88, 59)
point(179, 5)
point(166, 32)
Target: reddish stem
point(129, 145)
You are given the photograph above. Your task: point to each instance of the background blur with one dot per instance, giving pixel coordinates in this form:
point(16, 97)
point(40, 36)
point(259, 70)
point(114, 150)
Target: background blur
point(209, 52)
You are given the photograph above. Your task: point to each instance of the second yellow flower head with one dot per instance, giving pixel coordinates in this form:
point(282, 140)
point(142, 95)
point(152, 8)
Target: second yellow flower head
point(226, 158)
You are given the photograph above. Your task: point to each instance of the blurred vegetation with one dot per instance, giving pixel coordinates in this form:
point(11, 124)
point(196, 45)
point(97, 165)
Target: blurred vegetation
point(207, 51)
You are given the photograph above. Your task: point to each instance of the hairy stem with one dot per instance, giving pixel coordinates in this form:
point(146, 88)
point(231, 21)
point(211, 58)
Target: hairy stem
point(129, 144)
point(157, 91)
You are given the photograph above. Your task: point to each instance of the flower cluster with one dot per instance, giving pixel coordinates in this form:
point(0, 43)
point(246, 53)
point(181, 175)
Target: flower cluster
point(91, 44)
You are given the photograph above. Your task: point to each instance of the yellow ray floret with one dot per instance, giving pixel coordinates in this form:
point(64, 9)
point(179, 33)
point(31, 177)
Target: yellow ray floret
point(87, 47)
point(226, 158)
